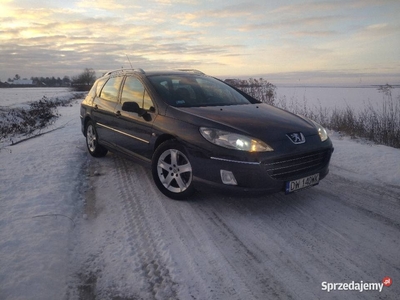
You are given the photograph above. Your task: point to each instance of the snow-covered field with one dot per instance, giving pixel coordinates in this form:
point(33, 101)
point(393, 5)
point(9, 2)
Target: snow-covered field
point(75, 227)
point(17, 97)
point(334, 97)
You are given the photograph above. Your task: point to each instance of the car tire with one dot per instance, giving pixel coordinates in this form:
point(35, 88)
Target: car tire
point(172, 170)
point(92, 144)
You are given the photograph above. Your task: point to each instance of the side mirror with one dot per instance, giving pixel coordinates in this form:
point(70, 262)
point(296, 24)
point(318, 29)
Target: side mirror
point(133, 107)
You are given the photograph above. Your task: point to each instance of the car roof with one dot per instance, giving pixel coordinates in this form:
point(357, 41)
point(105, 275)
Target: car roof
point(154, 72)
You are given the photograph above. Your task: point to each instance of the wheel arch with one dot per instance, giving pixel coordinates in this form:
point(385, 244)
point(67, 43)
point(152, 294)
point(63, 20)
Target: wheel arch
point(85, 121)
point(163, 138)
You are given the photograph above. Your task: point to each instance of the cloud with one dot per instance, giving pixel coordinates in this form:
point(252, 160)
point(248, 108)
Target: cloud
point(97, 42)
point(230, 14)
point(314, 33)
point(307, 7)
point(304, 22)
point(107, 5)
point(222, 37)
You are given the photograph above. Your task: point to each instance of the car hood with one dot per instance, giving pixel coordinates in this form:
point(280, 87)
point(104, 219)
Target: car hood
point(261, 121)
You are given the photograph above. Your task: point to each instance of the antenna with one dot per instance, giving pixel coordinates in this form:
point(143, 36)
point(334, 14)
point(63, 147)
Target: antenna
point(129, 60)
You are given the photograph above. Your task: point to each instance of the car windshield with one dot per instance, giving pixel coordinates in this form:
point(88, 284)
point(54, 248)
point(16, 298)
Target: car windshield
point(193, 91)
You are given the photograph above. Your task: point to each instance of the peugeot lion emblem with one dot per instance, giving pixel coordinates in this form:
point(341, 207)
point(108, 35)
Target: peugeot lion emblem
point(296, 137)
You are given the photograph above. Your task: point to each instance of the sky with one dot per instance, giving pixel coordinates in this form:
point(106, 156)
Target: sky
point(283, 41)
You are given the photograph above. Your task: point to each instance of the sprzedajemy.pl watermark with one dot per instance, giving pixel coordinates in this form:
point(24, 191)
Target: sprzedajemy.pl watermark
point(356, 286)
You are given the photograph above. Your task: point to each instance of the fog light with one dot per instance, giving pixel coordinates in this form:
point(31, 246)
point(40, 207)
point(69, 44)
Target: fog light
point(227, 177)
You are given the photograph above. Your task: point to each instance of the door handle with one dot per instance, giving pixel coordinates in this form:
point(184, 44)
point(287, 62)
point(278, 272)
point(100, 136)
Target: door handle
point(118, 113)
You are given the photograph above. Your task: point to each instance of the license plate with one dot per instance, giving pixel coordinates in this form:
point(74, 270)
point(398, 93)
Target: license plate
point(302, 183)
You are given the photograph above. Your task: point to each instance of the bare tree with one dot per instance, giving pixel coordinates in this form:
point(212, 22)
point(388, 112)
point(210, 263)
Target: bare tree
point(87, 77)
point(260, 88)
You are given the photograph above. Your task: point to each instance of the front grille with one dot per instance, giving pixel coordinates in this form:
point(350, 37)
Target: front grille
point(294, 166)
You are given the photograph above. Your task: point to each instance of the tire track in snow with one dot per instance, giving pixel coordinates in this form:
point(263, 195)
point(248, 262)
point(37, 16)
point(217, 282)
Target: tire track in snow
point(239, 255)
point(286, 252)
point(218, 262)
point(148, 250)
point(306, 238)
point(209, 274)
point(212, 275)
point(278, 246)
point(378, 202)
point(258, 239)
point(375, 213)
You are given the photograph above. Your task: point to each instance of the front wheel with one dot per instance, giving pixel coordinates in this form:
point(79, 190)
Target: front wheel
point(92, 144)
point(172, 171)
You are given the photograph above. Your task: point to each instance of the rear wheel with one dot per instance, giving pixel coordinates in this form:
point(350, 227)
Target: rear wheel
point(92, 144)
point(172, 171)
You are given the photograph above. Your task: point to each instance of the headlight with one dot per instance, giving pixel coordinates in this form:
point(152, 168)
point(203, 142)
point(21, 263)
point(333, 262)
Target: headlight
point(233, 140)
point(323, 134)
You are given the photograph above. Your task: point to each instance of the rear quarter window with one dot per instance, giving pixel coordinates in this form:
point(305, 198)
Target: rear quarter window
point(99, 86)
point(111, 89)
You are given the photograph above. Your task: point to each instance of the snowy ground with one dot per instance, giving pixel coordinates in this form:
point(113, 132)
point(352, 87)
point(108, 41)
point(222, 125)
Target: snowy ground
point(75, 227)
point(334, 97)
point(20, 97)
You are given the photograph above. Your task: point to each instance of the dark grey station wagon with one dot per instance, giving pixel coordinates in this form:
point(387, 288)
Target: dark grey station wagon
point(195, 130)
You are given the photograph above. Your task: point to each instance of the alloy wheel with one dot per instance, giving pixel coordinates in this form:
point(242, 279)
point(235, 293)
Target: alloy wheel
point(174, 170)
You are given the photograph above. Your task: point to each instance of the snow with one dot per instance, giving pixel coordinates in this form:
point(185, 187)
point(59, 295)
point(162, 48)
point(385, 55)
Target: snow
point(17, 97)
point(75, 227)
point(362, 161)
point(40, 195)
point(355, 97)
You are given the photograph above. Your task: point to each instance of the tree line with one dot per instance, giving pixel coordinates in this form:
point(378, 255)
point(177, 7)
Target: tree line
point(81, 81)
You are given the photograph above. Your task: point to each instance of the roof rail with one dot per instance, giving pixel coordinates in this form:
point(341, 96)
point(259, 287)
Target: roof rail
point(139, 70)
point(192, 71)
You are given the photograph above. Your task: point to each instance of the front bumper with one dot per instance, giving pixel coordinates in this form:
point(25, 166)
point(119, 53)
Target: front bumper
point(265, 176)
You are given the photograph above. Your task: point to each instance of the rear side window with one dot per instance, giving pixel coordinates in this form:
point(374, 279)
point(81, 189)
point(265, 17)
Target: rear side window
point(111, 89)
point(134, 91)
